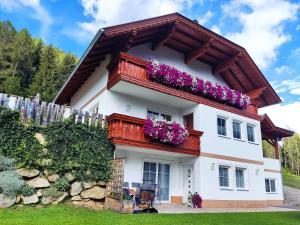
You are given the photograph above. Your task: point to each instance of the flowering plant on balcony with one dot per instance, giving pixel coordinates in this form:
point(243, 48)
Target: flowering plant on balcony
point(166, 132)
point(170, 76)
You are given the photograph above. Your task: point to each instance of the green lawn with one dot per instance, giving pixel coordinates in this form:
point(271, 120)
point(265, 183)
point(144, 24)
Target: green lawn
point(291, 180)
point(67, 215)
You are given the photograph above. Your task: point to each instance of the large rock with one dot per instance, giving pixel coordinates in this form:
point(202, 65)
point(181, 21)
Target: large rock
point(101, 183)
point(94, 193)
point(89, 204)
point(53, 178)
point(47, 200)
point(28, 173)
point(30, 199)
point(87, 185)
point(76, 188)
point(38, 182)
point(6, 202)
point(76, 198)
point(40, 138)
point(61, 198)
point(70, 177)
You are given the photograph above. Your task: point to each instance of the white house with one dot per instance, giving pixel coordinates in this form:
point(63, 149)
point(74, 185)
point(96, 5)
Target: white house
point(222, 158)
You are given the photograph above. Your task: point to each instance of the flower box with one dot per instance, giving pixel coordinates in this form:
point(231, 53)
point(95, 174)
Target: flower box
point(171, 77)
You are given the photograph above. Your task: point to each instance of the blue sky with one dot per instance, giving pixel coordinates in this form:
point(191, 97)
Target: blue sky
point(268, 29)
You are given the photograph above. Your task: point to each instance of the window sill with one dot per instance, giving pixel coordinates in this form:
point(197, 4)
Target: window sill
point(222, 136)
point(272, 193)
point(253, 143)
point(226, 189)
point(237, 139)
point(242, 189)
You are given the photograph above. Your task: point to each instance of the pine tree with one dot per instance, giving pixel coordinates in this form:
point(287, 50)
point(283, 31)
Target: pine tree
point(46, 77)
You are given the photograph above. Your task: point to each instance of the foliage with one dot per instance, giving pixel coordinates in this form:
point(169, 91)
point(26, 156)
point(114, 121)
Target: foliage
point(80, 148)
point(27, 190)
point(17, 141)
point(166, 132)
point(62, 184)
point(290, 154)
point(23, 69)
point(194, 200)
point(268, 150)
point(172, 77)
point(64, 214)
point(86, 150)
point(51, 192)
point(6, 164)
point(10, 183)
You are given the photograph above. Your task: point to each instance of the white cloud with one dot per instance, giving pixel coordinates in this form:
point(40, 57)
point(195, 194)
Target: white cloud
point(286, 85)
point(36, 12)
point(107, 13)
point(262, 26)
point(283, 70)
point(285, 116)
point(205, 18)
point(295, 91)
point(295, 54)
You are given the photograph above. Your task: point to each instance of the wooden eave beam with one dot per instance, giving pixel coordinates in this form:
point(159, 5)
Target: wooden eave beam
point(255, 94)
point(226, 64)
point(196, 53)
point(129, 41)
point(165, 37)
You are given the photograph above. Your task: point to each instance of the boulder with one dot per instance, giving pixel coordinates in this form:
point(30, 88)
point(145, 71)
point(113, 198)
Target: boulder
point(39, 193)
point(87, 185)
point(28, 173)
point(101, 183)
point(89, 204)
point(70, 177)
point(94, 193)
point(53, 178)
point(61, 198)
point(76, 188)
point(40, 138)
point(76, 198)
point(47, 200)
point(6, 202)
point(30, 199)
point(38, 182)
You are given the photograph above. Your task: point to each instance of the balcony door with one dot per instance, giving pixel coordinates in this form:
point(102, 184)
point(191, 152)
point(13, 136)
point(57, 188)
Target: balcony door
point(188, 121)
point(158, 173)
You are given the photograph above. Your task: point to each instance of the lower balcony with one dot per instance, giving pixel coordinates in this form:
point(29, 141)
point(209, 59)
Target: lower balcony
point(129, 131)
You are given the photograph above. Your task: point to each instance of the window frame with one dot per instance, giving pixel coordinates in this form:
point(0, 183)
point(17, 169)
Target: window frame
point(240, 129)
point(222, 187)
point(226, 129)
point(160, 114)
point(253, 135)
point(270, 185)
point(245, 187)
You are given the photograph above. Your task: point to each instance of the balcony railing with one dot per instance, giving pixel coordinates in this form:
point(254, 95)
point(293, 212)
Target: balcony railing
point(127, 130)
point(133, 70)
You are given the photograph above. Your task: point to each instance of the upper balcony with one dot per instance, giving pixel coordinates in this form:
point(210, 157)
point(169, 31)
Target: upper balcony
point(129, 131)
point(128, 75)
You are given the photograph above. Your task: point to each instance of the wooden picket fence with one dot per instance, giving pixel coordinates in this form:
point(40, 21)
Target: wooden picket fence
point(42, 113)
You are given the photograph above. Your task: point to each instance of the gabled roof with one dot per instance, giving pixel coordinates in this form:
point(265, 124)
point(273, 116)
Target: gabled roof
point(270, 131)
point(177, 32)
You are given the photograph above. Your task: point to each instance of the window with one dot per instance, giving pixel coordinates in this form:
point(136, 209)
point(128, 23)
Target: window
point(222, 126)
point(240, 177)
point(250, 133)
point(158, 116)
point(224, 176)
point(236, 129)
point(270, 185)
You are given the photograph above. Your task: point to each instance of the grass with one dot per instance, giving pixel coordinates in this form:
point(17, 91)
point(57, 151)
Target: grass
point(291, 180)
point(67, 215)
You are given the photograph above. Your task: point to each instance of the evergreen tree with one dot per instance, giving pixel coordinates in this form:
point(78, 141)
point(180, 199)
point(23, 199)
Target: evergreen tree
point(46, 77)
point(66, 67)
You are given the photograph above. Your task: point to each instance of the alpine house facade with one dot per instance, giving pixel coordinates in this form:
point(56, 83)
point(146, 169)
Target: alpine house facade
point(187, 119)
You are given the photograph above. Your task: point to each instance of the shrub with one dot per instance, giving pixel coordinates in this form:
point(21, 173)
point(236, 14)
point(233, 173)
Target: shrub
point(62, 184)
point(194, 200)
point(10, 183)
point(6, 164)
point(27, 190)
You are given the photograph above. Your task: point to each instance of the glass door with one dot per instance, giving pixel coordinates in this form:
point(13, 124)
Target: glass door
point(158, 173)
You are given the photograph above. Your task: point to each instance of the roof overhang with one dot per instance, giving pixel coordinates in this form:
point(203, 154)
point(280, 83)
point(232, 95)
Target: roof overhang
point(270, 131)
point(179, 33)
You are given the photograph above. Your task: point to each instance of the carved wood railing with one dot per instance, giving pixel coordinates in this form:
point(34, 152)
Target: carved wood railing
point(133, 70)
point(127, 130)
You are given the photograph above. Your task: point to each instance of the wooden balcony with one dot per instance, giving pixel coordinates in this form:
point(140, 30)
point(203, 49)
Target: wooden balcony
point(127, 130)
point(132, 70)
